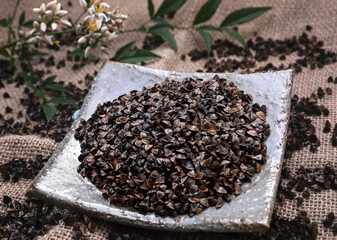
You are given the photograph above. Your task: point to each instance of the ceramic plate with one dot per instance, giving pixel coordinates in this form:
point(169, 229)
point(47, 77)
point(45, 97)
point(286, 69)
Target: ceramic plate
point(60, 183)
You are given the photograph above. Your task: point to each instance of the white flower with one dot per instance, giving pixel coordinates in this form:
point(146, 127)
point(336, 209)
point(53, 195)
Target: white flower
point(83, 4)
point(87, 52)
point(48, 39)
point(65, 22)
point(92, 9)
point(43, 26)
point(61, 13)
point(82, 39)
point(51, 4)
point(102, 16)
point(54, 26)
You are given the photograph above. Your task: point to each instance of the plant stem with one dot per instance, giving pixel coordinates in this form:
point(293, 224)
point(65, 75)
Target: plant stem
point(25, 38)
point(11, 20)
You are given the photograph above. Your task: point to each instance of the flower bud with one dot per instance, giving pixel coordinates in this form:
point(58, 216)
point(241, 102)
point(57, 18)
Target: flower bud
point(43, 27)
point(37, 10)
point(49, 13)
point(83, 4)
point(92, 41)
point(87, 52)
point(61, 13)
point(104, 29)
point(32, 32)
point(112, 36)
point(51, 4)
point(36, 24)
point(42, 8)
point(121, 16)
point(82, 39)
point(22, 33)
point(48, 39)
point(78, 29)
point(32, 40)
point(95, 35)
point(58, 7)
point(65, 22)
point(54, 26)
point(105, 50)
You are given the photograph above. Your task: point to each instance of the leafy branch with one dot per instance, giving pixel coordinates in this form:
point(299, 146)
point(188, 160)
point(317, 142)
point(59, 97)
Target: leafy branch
point(161, 27)
point(48, 105)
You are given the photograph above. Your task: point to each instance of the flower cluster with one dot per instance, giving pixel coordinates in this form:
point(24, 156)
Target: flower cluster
point(100, 25)
point(49, 15)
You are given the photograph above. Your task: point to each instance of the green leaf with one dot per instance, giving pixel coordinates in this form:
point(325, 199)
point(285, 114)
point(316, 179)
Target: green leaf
point(28, 24)
point(167, 36)
point(243, 15)
point(4, 22)
point(209, 28)
point(161, 23)
point(207, 39)
point(77, 52)
point(4, 52)
point(49, 81)
point(235, 35)
point(22, 18)
point(140, 55)
point(56, 87)
point(150, 8)
point(61, 101)
point(169, 6)
point(38, 93)
point(206, 11)
point(23, 75)
point(123, 52)
point(49, 111)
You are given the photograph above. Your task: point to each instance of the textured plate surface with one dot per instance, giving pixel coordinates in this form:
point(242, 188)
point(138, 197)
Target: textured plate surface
point(60, 183)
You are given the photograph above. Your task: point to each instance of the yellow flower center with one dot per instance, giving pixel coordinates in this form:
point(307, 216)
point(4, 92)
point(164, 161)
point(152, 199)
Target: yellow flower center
point(92, 26)
point(57, 43)
point(100, 9)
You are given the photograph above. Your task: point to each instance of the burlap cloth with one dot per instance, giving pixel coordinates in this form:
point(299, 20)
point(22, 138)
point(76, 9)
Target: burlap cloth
point(286, 19)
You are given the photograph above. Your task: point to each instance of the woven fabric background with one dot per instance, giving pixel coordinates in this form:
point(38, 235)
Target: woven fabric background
point(286, 19)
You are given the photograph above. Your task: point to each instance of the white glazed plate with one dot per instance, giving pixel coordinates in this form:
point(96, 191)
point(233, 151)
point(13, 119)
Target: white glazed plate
point(250, 211)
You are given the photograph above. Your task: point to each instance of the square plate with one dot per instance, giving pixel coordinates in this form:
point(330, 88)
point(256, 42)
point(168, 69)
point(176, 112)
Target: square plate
point(251, 211)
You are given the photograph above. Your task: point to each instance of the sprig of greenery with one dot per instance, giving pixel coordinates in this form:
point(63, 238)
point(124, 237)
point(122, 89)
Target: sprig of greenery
point(161, 27)
point(48, 105)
